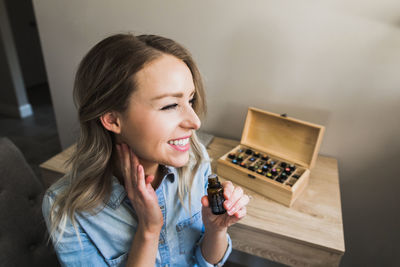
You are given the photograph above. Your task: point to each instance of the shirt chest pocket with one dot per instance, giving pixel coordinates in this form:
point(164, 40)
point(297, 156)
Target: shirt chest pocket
point(118, 261)
point(189, 231)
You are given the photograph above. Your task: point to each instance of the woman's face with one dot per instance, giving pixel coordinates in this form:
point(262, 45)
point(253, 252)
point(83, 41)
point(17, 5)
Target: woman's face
point(160, 119)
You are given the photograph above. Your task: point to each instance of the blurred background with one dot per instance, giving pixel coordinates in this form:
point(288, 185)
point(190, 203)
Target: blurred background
point(334, 63)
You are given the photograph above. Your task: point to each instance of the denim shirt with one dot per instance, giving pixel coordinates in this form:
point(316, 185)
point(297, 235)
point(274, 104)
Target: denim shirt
point(105, 238)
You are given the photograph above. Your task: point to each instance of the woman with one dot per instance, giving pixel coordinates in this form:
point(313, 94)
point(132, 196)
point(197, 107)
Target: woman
point(136, 193)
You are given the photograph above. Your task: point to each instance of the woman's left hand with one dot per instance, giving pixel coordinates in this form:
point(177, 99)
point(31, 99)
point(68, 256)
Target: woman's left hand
point(235, 205)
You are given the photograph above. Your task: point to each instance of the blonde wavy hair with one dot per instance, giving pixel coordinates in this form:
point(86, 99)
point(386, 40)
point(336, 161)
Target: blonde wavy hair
point(104, 83)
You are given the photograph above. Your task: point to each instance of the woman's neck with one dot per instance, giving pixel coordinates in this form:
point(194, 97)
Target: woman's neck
point(150, 168)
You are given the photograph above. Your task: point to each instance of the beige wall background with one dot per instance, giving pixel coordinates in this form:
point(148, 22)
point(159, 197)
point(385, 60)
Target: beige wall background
point(335, 63)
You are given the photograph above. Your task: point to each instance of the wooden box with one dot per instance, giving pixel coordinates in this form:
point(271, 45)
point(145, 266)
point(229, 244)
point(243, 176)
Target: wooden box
point(274, 157)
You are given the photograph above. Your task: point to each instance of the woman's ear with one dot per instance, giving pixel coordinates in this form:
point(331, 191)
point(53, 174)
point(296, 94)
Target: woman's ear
point(111, 122)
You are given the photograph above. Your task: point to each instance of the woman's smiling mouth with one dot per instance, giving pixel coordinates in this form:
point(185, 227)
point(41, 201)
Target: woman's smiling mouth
point(181, 144)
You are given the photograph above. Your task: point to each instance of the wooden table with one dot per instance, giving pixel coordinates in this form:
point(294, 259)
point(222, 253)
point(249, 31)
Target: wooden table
point(310, 233)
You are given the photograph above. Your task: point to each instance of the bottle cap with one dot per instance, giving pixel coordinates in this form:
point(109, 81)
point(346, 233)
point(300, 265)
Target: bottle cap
point(231, 155)
point(213, 181)
point(213, 176)
point(265, 157)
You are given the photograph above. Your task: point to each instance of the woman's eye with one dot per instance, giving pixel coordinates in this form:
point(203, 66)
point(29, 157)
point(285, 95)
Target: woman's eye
point(173, 106)
point(169, 107)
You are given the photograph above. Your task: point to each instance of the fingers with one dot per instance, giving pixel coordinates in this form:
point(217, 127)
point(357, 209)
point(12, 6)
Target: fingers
point(126, 169)
point(241, 213)
point(228, 189)
point(149, 179)
point(140, 178)
point(237, 201)
point(239, 205)
point(204, 201)
point(234, 196)
point(134, 158)
point(125, 161)
point(133, 172)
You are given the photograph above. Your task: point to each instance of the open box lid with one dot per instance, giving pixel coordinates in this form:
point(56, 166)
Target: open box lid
point(287, 138)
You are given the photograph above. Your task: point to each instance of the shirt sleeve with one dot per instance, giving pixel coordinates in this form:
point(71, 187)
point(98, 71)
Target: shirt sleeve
point(198, 255)
point(202, 261)
point(72, 250)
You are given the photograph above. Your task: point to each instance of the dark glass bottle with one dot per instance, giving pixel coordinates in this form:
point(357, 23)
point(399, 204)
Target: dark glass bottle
point(215, 193)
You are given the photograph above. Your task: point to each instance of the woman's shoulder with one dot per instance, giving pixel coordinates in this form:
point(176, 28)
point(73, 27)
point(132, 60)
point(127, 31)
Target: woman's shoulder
point(52, 193)
point(58, 187)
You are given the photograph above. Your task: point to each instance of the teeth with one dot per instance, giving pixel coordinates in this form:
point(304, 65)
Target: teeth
point(181, 142)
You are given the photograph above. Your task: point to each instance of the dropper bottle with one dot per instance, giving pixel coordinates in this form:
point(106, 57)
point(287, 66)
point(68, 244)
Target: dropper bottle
point(215, 193)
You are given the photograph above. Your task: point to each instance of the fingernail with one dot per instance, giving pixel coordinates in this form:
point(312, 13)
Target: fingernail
point(228, 204)
point(232, 211)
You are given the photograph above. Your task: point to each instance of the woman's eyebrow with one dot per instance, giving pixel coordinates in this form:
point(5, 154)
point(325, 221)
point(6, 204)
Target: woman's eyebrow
point(178, 95)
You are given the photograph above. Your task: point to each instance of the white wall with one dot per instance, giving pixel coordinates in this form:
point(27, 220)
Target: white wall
point(336, 63)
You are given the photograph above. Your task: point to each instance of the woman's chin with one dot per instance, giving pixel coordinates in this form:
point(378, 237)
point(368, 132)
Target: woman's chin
point(179, 162)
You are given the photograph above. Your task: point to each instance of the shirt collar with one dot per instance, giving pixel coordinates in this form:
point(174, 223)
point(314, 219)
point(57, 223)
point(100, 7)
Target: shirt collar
point(168, 173)
point(118, 192)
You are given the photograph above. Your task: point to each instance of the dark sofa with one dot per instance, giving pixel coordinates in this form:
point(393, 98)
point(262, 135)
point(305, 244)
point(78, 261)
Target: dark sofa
point(23, 234)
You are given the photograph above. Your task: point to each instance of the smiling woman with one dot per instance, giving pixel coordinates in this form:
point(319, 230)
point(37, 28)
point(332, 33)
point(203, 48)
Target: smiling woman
point(136, 191)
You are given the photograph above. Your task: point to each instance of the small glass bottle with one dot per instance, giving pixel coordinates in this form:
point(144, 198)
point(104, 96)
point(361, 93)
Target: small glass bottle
point(215, 193)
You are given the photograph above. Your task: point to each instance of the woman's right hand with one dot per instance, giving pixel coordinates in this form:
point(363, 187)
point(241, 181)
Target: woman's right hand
point(139, 190)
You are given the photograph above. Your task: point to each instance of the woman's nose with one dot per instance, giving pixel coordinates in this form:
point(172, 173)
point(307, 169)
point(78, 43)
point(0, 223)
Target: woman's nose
point(191, 120)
